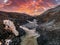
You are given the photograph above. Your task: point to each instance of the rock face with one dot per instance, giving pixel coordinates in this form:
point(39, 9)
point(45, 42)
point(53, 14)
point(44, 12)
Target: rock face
point(48, 26)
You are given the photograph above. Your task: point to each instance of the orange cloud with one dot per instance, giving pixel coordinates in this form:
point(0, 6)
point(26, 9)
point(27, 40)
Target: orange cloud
point(34, 7)
point(31, 7)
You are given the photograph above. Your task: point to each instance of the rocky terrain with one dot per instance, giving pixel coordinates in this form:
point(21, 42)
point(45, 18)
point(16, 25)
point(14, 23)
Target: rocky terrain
point(48, 26)
point(49, 23)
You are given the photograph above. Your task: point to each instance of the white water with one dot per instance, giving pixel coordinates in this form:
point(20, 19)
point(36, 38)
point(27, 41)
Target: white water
point(30, 38)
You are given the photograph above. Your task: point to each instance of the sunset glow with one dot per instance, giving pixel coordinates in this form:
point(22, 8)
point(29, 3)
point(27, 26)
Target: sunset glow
point(31, 7)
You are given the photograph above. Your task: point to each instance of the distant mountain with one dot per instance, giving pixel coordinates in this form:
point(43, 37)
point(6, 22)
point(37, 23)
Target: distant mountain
point(21, 16)
point(49, 15)
point(14, 16)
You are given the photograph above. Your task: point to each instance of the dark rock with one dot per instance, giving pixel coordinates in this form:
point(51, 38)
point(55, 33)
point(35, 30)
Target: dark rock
point(49, 24)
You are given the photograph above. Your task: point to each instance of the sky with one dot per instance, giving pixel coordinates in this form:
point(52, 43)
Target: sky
point(31, 7)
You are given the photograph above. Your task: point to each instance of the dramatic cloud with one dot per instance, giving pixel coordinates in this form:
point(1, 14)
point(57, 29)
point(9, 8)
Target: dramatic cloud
point(32, 7)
